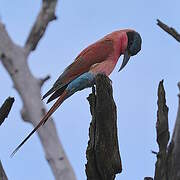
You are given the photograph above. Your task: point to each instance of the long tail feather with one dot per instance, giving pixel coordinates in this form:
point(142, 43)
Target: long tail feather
point(56, 94)
point(48, 93)
point(43, 121)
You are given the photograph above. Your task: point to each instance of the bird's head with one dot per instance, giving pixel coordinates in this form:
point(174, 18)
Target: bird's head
point(133, 46)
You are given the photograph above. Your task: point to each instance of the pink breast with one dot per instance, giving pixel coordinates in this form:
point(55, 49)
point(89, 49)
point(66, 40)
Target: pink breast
point(105, 67)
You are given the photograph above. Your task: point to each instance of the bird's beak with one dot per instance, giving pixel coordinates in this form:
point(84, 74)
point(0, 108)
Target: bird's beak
point(125, 60)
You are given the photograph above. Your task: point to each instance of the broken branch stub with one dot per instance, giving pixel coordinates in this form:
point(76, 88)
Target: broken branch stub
point(102, 153)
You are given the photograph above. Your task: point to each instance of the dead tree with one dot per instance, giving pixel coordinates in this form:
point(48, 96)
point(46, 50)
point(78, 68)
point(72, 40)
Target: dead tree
point(173, 150)
point(14, 59)
point(103, 157)
point(168, 157)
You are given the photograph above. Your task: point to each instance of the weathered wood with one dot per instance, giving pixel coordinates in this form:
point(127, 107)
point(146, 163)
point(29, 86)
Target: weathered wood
point(2, 173)
point(161, 171)
point(174, 149)
point(5, 109)
point(103, 157)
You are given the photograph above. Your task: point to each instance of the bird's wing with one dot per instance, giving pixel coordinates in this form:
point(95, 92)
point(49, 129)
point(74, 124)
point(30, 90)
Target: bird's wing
point(93, 54)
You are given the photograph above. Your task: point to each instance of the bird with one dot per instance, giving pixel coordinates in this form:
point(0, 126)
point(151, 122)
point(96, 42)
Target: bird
point(99, 57)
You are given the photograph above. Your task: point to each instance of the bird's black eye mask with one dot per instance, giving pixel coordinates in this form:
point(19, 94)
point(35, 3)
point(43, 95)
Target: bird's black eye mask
point(133, 47)
point(134, 42)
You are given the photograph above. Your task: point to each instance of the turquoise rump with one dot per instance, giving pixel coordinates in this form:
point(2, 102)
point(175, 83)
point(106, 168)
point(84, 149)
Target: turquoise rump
point(83, 81)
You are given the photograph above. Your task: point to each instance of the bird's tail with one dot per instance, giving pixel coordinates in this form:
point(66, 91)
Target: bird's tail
point(43, 120)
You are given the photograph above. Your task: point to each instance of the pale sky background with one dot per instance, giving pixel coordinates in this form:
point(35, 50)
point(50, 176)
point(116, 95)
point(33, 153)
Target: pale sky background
point(79, 24)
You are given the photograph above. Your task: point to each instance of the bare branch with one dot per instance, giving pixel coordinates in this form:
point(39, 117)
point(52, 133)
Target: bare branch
point(174, 148)
point(43, 80)
point(102, 153)
point(2, 173)
point(169, 30)
point(154, 152)
point(46, 15)
point(162, 129)
point(5, 109)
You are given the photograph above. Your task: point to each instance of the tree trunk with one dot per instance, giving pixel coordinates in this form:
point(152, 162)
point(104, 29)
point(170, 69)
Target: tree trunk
point(103, 157)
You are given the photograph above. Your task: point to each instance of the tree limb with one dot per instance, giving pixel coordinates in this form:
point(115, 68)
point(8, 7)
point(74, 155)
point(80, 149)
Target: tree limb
point(5, 109)
point(102, 153)
point(14, 59)
point(43, 80)
point(46, 15)
point(169, 30)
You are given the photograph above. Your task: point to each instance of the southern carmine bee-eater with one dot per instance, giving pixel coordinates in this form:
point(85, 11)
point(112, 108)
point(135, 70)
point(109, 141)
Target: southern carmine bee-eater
point(100, 57)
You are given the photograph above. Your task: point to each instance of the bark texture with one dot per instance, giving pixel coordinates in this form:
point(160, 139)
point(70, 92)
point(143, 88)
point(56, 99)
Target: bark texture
point(162, 129)
point(14, 59)
point(174, 148)
point(103, 157)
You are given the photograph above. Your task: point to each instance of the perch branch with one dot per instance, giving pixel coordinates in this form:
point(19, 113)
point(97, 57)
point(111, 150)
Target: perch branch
point(169, 30)
point(5, 109)
point(103, 157)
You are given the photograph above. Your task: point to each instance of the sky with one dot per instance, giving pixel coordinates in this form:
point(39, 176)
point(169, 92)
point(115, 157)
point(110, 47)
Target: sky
point(79, 24)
